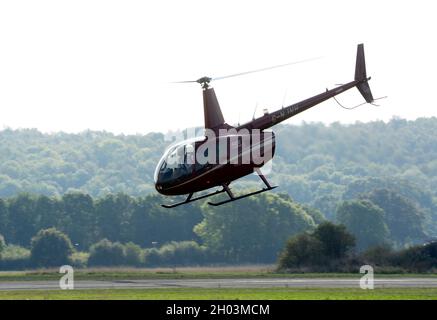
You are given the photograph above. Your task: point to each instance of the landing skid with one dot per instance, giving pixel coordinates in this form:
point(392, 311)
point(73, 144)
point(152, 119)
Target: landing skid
point(191, 199)
point(234, 198)
point(227, 190)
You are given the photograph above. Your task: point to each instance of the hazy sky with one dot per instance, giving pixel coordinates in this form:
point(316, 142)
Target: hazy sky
point(106, 65)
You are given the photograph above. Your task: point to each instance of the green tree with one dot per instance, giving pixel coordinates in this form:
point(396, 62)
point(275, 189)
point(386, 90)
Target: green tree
point(327, 204)
point(300, 251)
point(3, 217)
point(365, 221)
point(419, 258)
point(2, 245)
point(378, 255)
point(79, 220)
point(253, 229)
point(404, 220)
point(23, 219)
point(336, 240)
point(113, 216)
point(327, 245)
point(49, 212)
point(184, 253)
point(133, 254)
point(150, 223)
point(314, 213)
point(106, 253)
point(50, 248)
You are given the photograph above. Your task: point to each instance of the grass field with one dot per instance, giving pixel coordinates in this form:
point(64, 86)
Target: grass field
point(230, 294)
point(179, 273)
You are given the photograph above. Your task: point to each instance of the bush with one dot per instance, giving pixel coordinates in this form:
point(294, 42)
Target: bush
point(184, 253)
point(152, 257)
point(378, 256)
point(79, 259)
point(431, 250)
point(2, 245)
point(336, 240)
point(419, 258)
point(133, 254)
point(106, 253)
point(22, 263)
point(300, 251)
point(365, 221)
point(14, 252)
point(256, 237)
point(325, 249)
point(50, 248)
point(13, 257)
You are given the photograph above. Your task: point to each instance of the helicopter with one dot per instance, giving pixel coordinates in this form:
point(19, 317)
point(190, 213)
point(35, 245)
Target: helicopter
point(226, 153)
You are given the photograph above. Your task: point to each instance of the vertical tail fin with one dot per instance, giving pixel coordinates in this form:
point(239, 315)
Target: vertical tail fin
point(361, 75)
point(211, 108)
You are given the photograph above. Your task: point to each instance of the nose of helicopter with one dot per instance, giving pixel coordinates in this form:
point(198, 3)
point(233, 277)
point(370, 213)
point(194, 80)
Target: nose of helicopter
point(159, 187)
point(163, 189)
point(160, 184)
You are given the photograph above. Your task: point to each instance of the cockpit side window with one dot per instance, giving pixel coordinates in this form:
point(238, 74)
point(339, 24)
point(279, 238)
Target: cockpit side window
point(174, 159)
point(189, 154)
point(179, 164)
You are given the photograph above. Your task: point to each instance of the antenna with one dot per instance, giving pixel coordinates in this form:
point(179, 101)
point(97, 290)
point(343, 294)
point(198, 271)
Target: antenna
point(359, 105)
point(254, 111)
point(283, 99)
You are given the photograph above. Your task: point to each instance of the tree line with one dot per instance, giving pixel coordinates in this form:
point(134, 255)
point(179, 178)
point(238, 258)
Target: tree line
point(317, 165)
point(378, 180)
point(326, 248)
point(142, 221)
point(86, 220)
point(138, 231)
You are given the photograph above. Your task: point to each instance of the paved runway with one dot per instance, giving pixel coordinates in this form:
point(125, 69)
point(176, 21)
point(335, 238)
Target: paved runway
point(224, 283)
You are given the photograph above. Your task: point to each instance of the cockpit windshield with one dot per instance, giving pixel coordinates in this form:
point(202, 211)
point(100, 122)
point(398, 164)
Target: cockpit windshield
point(177, 163)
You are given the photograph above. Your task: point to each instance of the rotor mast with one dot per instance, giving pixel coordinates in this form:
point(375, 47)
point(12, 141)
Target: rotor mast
point(213, 115)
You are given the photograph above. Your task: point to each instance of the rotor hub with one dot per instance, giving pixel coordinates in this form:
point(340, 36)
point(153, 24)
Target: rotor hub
point(204, 82)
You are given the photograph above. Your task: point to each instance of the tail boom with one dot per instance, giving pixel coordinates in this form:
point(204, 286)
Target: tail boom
point(361, 82)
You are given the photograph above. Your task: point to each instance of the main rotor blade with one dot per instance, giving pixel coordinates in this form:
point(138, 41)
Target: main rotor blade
point(265, 69)
point(188, 81)
point(208, 79)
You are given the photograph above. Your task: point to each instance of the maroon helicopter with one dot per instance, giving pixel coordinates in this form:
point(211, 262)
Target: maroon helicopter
point(227, 153)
